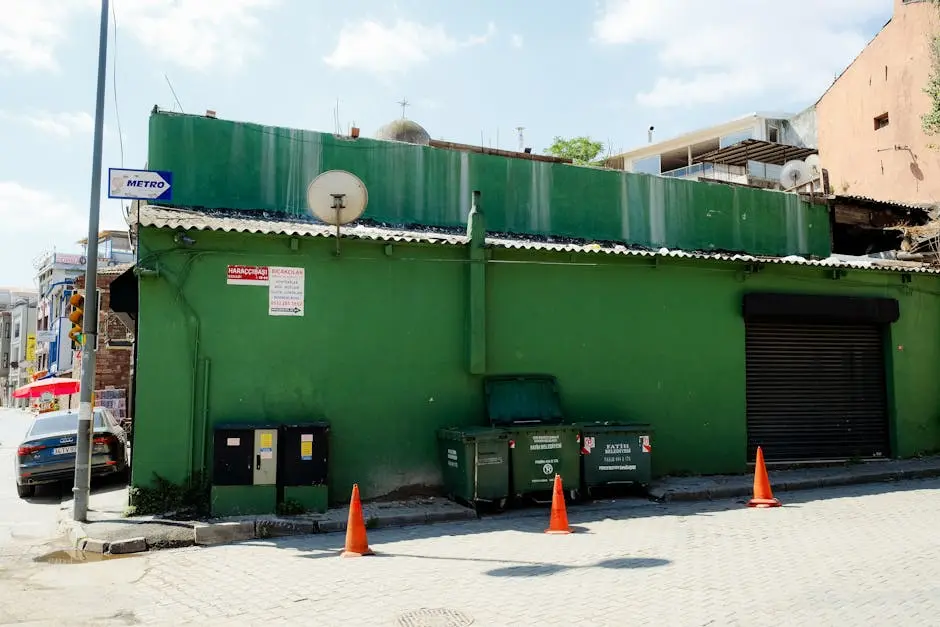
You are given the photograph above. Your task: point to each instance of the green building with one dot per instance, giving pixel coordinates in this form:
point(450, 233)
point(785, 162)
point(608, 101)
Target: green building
point(753, 336)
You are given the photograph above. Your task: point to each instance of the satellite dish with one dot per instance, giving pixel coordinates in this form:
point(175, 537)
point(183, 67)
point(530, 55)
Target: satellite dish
point(814, 164)
point(794, 174)
point(337, 197)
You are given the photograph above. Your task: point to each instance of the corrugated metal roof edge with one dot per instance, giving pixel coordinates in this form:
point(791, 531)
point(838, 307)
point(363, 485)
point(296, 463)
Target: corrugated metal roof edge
point(886, 203)
point(177, 218)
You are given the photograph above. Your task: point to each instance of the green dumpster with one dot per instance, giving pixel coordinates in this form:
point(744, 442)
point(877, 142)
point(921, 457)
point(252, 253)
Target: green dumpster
point(615, 453)
point(538, 453)
point(528, 409)
point(475, 464)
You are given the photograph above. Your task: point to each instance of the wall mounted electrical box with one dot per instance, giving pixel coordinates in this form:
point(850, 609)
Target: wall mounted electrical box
point(244, 469)
point(303, 469)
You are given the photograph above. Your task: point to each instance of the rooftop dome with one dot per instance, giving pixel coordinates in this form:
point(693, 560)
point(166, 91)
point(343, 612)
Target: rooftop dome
point(403, 130)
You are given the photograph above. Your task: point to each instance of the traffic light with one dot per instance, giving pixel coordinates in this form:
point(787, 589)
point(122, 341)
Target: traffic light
point(76, 317)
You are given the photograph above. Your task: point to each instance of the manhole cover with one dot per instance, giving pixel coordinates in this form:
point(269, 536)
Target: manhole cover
point(434, 617)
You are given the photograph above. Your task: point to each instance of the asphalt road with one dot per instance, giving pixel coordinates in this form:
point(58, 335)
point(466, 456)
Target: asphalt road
point(27, 526)
point(858, 555)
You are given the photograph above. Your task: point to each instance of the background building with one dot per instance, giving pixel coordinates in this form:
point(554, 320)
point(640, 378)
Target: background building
point(870, 135)
point(56, 276)
point(5, 333)
point(750, 150)
point(22, 345)
point(115, 359)
point(9, 297)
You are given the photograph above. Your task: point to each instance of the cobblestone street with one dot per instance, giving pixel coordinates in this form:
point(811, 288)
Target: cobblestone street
point(847, 556)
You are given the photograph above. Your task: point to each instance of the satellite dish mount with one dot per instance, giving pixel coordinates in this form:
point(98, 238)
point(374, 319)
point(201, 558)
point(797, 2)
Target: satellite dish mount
point(339, 203)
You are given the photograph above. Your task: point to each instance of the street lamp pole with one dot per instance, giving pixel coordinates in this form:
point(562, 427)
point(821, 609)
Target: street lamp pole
point(82, 487)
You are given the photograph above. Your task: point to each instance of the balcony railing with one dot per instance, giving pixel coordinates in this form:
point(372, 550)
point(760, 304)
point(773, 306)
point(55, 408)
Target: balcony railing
point(731, 173)
point(765, 171)
point(713, 171)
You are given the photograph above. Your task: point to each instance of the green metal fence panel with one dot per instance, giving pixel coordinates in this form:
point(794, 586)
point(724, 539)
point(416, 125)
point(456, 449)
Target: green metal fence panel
point(218, 164)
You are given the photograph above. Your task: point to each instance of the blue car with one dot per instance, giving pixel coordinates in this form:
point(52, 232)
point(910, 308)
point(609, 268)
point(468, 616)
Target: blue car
point(47, 453)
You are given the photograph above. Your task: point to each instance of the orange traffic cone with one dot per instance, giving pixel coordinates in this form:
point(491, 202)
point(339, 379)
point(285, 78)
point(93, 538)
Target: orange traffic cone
point(558, 523)
point(357, 544)
point(763, 496)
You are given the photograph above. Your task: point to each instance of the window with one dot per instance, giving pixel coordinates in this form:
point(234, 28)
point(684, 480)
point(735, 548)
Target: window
point(881, 121)
point(16, 331)
point(773, 134)
point(735, 138)
point(6, 330)
point(61, 421)
point(649, 165)
point(6, 361)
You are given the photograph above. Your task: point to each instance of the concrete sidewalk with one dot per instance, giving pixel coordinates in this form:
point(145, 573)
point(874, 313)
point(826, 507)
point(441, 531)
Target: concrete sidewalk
point(731, 486)
point(108, 530)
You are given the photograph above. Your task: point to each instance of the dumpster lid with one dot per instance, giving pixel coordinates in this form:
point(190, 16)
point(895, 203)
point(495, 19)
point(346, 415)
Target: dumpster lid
point(471, 432)
point(614, 425)
point(227, 426)
point(313, 424)
point(521, 399)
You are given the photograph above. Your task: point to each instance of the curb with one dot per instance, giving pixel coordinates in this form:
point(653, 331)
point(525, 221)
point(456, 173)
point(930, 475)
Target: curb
point(665, 495)
point(265, 528)
point(228, 532)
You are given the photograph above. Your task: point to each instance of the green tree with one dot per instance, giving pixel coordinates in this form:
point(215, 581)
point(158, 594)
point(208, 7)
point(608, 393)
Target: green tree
point(931, 120)
point(581, 150)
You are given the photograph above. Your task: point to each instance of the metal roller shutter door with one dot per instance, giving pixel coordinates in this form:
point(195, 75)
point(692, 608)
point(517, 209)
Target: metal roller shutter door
point(816, 391)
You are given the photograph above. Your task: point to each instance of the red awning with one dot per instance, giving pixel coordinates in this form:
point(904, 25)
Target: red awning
point(57, 386)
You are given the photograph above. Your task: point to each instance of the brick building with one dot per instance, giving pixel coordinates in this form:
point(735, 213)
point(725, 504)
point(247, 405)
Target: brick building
point(869, 121)
point(115, 360)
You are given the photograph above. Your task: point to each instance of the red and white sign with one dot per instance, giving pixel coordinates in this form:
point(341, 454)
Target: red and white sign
point(645, 443)
point(247, 275)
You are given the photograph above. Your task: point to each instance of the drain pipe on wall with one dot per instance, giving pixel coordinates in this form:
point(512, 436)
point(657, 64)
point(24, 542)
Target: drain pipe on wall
point(476, 232)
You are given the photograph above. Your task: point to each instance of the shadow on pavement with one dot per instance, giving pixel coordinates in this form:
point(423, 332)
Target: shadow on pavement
point(512, 567)
point(541, 570)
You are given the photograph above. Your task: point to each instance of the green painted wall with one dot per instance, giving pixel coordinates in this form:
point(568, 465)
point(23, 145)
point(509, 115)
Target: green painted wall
point(382, 350)
point(219, 164)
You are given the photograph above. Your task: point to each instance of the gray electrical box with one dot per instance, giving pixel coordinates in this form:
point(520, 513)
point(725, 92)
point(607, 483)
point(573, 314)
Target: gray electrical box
point(265, 472)
point(244, 476)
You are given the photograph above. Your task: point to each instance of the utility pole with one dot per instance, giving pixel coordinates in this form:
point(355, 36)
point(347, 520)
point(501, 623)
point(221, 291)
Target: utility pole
point(82, 487)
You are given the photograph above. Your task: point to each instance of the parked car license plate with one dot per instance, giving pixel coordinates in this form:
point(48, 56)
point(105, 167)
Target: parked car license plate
point(63, 450)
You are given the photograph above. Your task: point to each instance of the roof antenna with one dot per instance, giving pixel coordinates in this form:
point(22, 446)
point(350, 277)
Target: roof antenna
point(173, 91)
point(519, 130)
point(403, 103)
point(649, 134)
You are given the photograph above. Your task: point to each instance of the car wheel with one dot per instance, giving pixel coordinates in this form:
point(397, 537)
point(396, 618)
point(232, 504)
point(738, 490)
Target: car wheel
point(25, 491)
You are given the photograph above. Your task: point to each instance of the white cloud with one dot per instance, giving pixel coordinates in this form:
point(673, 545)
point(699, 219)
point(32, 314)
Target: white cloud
point(724, 50)
point(196, 34)
point(63, 125)
point(373, 47)
point(516, 40)
point(31, 31)
point(33, 220)
point(193, 34)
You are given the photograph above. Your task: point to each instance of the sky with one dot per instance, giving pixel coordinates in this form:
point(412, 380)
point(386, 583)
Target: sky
point(471, 71)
